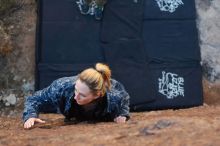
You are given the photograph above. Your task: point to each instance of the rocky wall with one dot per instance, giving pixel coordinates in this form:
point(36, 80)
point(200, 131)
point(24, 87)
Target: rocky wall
point(17, 45)
point(208, 21)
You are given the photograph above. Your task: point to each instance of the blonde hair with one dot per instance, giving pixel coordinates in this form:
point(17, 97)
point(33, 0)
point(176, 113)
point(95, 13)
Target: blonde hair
point(97, 79)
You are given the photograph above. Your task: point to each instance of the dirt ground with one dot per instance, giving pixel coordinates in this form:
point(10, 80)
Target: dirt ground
point(199, 126)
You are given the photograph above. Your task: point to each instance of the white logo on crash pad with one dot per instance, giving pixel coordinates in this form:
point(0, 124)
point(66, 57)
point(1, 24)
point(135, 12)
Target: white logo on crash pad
point(169, 5)
point(171, 85)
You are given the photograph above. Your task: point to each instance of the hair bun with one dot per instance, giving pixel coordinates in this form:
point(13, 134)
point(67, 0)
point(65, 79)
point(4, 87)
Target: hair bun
point(105, 71)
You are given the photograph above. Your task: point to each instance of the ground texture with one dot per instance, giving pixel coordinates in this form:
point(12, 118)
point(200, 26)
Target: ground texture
point(198, 126)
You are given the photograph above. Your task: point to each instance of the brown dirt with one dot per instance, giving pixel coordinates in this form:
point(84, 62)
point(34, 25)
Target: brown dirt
point(198, 126)
point(211, 92)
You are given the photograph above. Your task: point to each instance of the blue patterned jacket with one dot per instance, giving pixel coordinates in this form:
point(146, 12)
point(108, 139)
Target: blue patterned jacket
point(51, 99)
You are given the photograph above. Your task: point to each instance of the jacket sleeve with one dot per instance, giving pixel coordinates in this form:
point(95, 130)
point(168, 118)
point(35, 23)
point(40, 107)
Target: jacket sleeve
point(45, 99)
point(124, 108)
point(122, 98)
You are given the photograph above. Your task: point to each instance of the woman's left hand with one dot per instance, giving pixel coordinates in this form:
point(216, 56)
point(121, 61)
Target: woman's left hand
point(120, 119)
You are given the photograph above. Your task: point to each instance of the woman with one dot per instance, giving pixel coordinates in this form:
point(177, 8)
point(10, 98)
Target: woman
point(92, 95)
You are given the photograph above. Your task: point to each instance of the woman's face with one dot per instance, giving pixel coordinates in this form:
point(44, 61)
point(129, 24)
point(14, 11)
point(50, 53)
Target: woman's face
point(83, 94)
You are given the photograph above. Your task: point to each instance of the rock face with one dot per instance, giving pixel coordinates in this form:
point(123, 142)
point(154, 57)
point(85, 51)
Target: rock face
point(209, 32)
point(208, 21)
point(17, 47)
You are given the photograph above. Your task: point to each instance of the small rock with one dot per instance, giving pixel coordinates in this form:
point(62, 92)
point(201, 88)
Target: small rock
point(10, 100)
point(146, 131)
point(163, 124)
point(28, 87)
point(7, 104)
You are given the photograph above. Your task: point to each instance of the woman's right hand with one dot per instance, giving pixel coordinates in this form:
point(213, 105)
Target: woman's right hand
point(31, 121)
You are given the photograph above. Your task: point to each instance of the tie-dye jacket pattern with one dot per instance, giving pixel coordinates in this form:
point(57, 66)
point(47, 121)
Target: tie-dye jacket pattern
point(50, 99)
